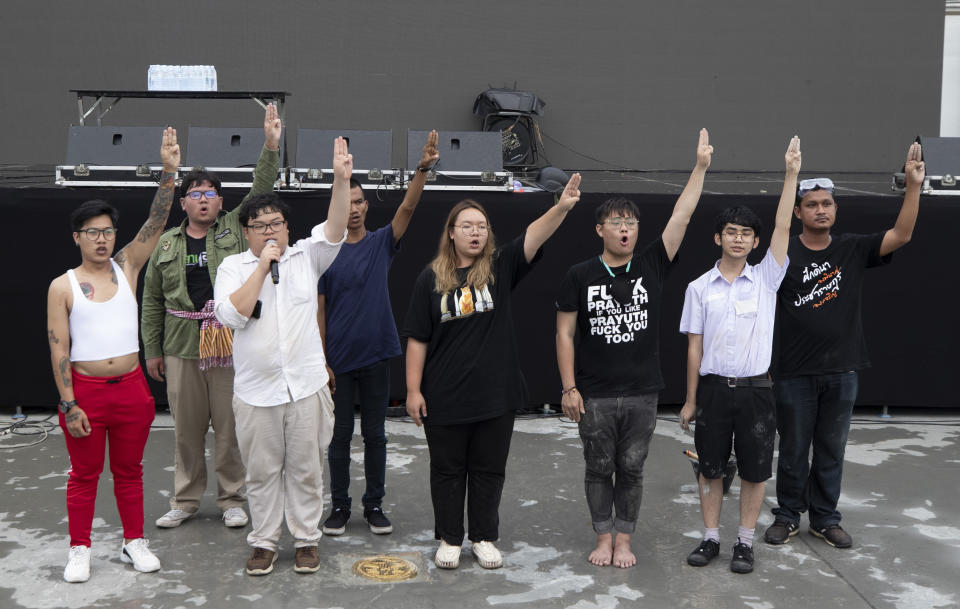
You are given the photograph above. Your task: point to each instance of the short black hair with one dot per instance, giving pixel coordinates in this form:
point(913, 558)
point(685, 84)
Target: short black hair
point(616, 205)
point(257, 204)
point(798, 198)
point(197, 177)
point(92, 209)
point(355, 183)
point(741, 216)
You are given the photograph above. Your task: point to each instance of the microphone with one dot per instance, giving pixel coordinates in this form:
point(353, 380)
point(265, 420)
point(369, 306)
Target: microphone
point(274, 268)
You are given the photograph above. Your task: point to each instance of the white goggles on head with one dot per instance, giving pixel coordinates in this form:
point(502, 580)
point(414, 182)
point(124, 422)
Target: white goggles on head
point(806, 186)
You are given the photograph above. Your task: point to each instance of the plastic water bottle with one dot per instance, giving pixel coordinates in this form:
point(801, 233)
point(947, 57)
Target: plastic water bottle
point(213, 76)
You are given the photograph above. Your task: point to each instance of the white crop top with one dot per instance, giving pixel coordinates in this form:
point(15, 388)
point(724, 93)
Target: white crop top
point(101, 330)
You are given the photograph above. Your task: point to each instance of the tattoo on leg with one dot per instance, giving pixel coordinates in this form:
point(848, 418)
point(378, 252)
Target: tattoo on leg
point(87, 289)
point(65, 370)
point(53, 337)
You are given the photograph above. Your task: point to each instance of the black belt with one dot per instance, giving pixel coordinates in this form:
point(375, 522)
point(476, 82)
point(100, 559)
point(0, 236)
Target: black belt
point(760, 380)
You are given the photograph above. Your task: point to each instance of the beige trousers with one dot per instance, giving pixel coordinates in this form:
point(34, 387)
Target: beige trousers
point(199, 399)
point(282, 447)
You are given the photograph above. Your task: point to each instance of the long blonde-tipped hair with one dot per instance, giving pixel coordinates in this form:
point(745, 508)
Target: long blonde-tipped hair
point(444, 264)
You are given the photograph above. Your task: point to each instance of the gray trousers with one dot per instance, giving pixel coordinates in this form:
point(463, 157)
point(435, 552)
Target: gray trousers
point(616, 436)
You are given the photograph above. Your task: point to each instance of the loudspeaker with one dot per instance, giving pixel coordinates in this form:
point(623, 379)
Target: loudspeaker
point(125, 146)
point(224, 147)
point(941, 156)
point(473, 151)
point(370, 149)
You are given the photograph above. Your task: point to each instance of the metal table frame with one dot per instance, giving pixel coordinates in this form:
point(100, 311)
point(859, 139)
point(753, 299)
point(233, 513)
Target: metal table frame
point(262, 98)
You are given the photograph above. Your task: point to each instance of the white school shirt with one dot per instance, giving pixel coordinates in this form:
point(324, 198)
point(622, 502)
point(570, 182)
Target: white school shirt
point(736, 320)
point(278, 358)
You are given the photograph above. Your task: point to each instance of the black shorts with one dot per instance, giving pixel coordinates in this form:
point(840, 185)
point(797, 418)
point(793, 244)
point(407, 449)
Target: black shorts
point(740, 417)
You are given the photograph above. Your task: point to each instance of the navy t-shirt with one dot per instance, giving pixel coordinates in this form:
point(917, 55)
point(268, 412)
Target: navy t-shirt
point(360, 326)
point(472, 371)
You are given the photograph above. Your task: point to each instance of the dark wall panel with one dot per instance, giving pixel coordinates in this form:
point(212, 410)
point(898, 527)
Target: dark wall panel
point(628, 84)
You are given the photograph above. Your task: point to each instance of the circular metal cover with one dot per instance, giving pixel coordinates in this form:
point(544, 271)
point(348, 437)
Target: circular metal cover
point(385, 568)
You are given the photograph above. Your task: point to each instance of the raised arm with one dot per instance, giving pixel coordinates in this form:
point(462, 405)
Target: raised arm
point(781, 228)
point(135, 254)
point(570, 399)
point(340, 196)
point(540, 229)
point(428, 157)
point(58, 336)
point(687, 202)
point(902, 231)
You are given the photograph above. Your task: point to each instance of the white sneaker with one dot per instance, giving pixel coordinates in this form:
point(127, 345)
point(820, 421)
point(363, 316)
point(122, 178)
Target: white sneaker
point(235, 517)
point(487, 555)
point(139, 554)
point(447, 557)
point(173, 519)
point(78, 565)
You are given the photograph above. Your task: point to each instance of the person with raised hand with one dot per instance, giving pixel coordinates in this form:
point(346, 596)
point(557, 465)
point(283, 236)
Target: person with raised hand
point(281, 401)
point(612, 378)
point(95, 353)
point(821, 349)
point(463, 369)
point(728, 317)
point(186, 346)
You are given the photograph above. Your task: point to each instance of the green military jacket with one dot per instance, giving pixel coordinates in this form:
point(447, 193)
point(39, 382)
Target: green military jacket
point(165, 284)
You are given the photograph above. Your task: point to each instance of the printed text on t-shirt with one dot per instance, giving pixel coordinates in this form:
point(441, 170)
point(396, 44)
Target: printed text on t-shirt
point(615, 321)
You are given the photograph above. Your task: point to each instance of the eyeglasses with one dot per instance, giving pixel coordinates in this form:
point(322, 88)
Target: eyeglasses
point(94, 233)
point(744, 233)
point(196, 194)
point(261, 228)
point(618, 222)
point(806, 186)
point(467, 229)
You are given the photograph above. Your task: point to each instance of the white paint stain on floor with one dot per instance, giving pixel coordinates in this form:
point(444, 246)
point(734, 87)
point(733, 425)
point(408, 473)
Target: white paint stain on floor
point(923, 437)
point(525, 568)
point(940, 533)
point(755, 602)
point(912, 596)
point(611, 600)
point(919, 513)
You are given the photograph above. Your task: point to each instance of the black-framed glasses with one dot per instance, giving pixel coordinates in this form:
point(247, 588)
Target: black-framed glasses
point(261, 228)
point(618, 222)
point(467, 229)
point(94, 233)
point(196, 194)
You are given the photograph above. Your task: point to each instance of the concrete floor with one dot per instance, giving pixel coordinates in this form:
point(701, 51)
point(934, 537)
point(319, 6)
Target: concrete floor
point(899, 503)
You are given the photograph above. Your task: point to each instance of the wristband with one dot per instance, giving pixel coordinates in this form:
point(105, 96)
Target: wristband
point(65, 406)
point(423, 169)
point(566, 391)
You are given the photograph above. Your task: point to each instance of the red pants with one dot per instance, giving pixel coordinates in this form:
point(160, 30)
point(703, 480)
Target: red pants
point(122, 409)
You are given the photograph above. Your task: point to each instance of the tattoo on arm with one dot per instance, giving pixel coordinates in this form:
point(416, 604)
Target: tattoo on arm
point(159, 209)
point(113, 276)
point(87, 289)
point(65, 370)
point(53, 337)
point(70, 418)
point(120, 259)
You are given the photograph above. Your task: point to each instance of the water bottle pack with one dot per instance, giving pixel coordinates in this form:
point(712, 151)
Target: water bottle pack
point(181, 78)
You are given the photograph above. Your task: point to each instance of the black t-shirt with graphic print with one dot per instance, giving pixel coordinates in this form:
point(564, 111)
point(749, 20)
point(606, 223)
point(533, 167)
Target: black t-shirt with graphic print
point(819, 329)
point(472, 371)
point(618, 321)
point(199, 286)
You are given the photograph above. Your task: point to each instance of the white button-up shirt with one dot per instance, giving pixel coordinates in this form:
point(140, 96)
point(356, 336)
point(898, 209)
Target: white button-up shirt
point(278, 358)
point(736, 319)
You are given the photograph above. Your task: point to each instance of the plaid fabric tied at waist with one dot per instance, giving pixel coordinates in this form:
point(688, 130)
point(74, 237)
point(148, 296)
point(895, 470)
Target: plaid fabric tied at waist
point(216, 341)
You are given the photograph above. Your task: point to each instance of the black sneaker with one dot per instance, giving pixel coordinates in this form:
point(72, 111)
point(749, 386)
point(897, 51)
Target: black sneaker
point(833, 535)
point(336, 523)
point(780, 532)
point(379, 524)
point(742, 561)
point(705, 552)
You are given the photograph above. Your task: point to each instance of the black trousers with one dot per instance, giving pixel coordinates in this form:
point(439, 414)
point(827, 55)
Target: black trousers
point(468, 461)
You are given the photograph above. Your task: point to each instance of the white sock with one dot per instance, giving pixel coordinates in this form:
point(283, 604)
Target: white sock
point(745, 536)
point(711, 535)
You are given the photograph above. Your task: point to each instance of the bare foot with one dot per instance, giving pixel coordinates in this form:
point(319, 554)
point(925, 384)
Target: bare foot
point(603, 553)
point(622, 556)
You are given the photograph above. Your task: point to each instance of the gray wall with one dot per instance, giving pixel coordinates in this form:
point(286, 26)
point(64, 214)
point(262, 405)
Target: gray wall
point(627, 83)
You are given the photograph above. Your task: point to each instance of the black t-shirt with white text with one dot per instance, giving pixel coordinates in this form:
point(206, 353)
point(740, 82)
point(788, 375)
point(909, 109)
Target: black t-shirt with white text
point(819, 329)
point(618, 322)
point(199, 286)
point(472, 370)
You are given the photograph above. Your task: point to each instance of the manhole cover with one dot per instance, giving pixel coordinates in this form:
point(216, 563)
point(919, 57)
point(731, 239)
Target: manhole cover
point(385, 568)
